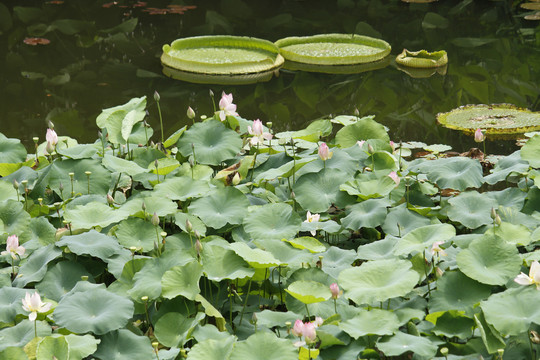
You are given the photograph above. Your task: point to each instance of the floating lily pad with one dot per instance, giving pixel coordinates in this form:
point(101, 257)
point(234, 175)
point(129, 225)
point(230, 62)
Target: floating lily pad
point(495, 119)
point(226, 79)
point(338, 69)
point(333, 49)
point(422, 58)
point(223, 55)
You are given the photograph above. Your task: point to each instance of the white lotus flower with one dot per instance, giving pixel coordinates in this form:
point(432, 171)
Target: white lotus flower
point(532, 278)
point(13, 248)
point(226, 106)
point(34, 304)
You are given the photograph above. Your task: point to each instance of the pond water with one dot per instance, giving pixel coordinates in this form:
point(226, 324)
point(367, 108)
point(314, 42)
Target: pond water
point(102, 54)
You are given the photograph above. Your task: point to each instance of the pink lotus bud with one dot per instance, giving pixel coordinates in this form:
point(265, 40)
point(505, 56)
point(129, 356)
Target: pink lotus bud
point(298, 328)
point(324, 152)
point(334, 289)
point(393, 146)
point(190, 113)
point(310, 334)
point(394, 177)
point(479, 136)
point(51, 137)
point(257, 128)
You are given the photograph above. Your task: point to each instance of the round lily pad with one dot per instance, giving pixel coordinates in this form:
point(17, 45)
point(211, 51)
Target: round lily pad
point(221, 55)
point(333, 49)
point(495, 119)
point(422, 58)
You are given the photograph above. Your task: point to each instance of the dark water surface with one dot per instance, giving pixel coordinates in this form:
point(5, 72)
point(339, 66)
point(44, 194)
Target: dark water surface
point(101, 56)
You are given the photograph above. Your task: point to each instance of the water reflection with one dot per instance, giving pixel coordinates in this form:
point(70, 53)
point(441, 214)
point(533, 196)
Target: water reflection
point(101, 57)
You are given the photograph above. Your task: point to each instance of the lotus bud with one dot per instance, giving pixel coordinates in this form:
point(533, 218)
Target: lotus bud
point(493, 213)
point(15, 184)
point(334, 289)
point(392, 145)
point(156, 96)
point(51, 137)
point(535, 338)
point(310, 334)
point(498, 220)
point(198, 247)
point(190, 113)
point(439, 272)
point(110, 199)
point(61, 187)
point(144, 298)
point(49, 148)
point(370, 149)
point(254, 319)
point(394, 176)
point(282, 141)
point(36, 139)
point(143, 206)
point(360, 143)
point(324, 152)
point(479, 136)
point(298, 328)
point(236, 179)
point(204, 117)
point(211, 93)
point(197, 235)
point(269, 124)
point(155, 219)
point(288, 325)
point(189, 226)
point(71, 175)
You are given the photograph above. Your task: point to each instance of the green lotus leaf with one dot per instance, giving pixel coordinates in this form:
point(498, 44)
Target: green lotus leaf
point(211, 349)
point(494, 119)
point(11, 150)
point(15, 220)
point(181, 188)
point(182, 280)
point(451, 323)
point(455, 291)
point(369, 185)
point(7, 191)
point(284, 252)
point(81, 346)
point(381, 161)
point(11, 304)
point(98, 311)
point(457, 173)
point(286, 170)
point(136, 232)
point(272, 221)
point(307, 242)
point(271, 318)
point(333, 49)
point(256, 258)
point(378, 250)
point(42, 231)
point(14, 353)
point(471, 208)
point(180, 219)
point(531, 150)
point(221, 55)
point(328, 226)
point(221, 207)
point(120, 165)
point(316, 192)
point(174, 329)
point(61, 278)
point(513, 234)
point(341, 160)
point(373, 322)
point(91, 243)
point(153, 204)
point(400, 220)
point(364, 129)
point(511, 312)
point(422, 58)
point(422, 238)
point(509, 198)
point(401, 343)
point(35, 266)
point(22, 333)
point(490, 260)
point(52, 348)
point(266, 345)
point(508, 165)
point(123, 344)
point(211, 141)
point(173, 139)
point(309, 292)
point(220, 264)
point(58, 173)
point(211, 311)
point(370, 213)
point(336, 260)
point(79, 151)
point(378, 280)
point(91, 215)
point(491, 337)
point(120, 120)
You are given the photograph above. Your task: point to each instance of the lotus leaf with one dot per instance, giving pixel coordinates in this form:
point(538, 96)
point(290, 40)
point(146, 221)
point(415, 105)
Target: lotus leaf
point(365, 128)
point(471, 209)
point(457, 173)
point(400, 220)
point(7, 192)
point(182, 280)
point(22, 333)
point(211, 349)
point(11, 150)
point(373, 322)
point(401, 343)
point(136, 232)
point(61, 278)
point(78, 151)
point(307, 242)
point(221, 207)
point(369, 213)
point(284, 252)
point(53, 348)
point(42, 232)
point(10, 304)
point(378, 250)
point(309, 292)
point(491, 337)
point(266, 345)
point(174, 329)
point(13, 217)
point(181, 188)
point(120, 165)
point(124, 345)
point(420, 239)
point(451, 323)
point(219, 264)
point(210, 310)
point(153, 204)
point(531, 151)
point(120, 120)
point(505, 167)
point(35, 266)
point(91, 243)
point(272, 221)
point(256, 258)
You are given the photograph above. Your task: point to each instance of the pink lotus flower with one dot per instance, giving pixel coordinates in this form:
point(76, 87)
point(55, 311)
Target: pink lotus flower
point(334, 289)
point(324, 152)
point(51, 137)
point(310, 334)
point(394, 177)
point(226, 107)
point(436, 248)
point(479, 136)
point(360, 143)
point(298, 328)
point(13, 248)
point(258, 133)
point(532, 278)
point(34, 304)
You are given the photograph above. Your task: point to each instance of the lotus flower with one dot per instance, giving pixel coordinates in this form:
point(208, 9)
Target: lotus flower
point(334, 289)
point(51, 137)
point(394, 177)
point(436, 248)
point(34, 304)
point(310, 334)
point(13, 248)
point(298, 328)
point(258, 133)
point(226, 107)
point(532, 278)
point(324, 152)
point(312, 218)
point(479, 136)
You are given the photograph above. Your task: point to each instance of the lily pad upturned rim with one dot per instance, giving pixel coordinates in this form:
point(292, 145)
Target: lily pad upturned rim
point(422, 58)
point(271, 61)
point(218, 79)
point(338, 69)
point(289, 55)
point(445, 119)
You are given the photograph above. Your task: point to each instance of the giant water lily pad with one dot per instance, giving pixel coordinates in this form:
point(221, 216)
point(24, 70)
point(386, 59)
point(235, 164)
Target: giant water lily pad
point(333, 49)
point(495, 119)
point(422, 58)
point(223, 55)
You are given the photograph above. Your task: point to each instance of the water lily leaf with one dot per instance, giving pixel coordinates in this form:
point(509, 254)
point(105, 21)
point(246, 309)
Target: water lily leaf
point(182, 280)
point(490, 260)
point(211, 349)
point(22, 333)
point(373, 322)
point(221, 207)
point(211, 141)
point(272, 221)
point(531, 150)
point(511, 312)
point(455, 291)
point(451, 323)
point(457, 173)
point(257, 258)
point(423, 238)
point(120, 165)
point(98, 311)
point(91, 243)
point(472, 209)
point(119, 120)
point(219, 264)
point(124, 345)
point(136, 232)
point(369, 213)
point(11, 150)
point(35, 266)
point(266, 345)
point(316, 192)
point(174, 329)
point(11, 304)
point(91, 215)
point(309, 292)
point(307, 242)
point(364, 129)
point(61, 278)
point(52, 348)
point(378, 280)
point(401, 343)
point(181, 188)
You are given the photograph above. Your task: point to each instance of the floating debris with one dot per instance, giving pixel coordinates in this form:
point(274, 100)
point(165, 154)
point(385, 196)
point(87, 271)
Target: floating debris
point(36, 41)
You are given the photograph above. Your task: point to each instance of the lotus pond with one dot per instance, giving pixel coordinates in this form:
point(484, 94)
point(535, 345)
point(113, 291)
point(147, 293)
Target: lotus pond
point(227, 240)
